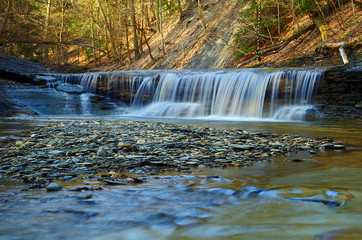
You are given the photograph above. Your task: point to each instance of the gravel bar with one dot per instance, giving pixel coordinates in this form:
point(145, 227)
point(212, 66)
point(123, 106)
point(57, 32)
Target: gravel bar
point(68, 150)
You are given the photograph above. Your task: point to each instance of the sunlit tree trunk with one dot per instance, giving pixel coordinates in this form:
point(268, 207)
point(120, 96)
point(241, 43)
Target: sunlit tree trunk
point(161, 30)
point(134, 29)
point(353, 10)
point(125, 19)
point(109, 32)
point(258, 29)
point(141, 30)
point(121, 33)
point(45, 34)
point(200, 8)
point(92, 33)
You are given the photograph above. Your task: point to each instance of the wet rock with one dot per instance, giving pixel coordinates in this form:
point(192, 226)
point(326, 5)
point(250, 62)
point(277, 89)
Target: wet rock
point(128, 147)
point(70, 88)
point(114, 182)
point(54, 187)
point(85, 188)
point(102, 152)
point(61, 151)
point(241, 147)
point(193, 163)
point(45, 79)
point(133, 180)
point(339, 146)
point(57, 153)
point(327, 146)
point(19, 143)
point(141, 141)
point(359, 106)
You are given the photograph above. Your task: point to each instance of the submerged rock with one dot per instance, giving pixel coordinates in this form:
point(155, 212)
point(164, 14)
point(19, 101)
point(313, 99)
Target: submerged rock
point(70, 88)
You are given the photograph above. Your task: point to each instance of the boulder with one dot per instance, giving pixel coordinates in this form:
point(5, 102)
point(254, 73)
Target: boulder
point(54, 187)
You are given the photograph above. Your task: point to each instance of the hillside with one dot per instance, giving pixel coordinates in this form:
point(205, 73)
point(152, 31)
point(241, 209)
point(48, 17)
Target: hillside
point(188, 46)
point(180, 34)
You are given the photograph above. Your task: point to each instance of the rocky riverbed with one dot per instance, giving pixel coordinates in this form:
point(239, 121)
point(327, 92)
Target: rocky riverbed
point(110, 151)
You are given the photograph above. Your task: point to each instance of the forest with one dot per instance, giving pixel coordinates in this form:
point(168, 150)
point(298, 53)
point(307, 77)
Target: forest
point(120, 31)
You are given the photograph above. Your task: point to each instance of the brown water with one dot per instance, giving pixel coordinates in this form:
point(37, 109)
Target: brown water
point(318, 198)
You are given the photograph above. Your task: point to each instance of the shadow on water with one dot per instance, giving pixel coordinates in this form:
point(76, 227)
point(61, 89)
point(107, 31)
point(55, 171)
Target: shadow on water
point(313, 197)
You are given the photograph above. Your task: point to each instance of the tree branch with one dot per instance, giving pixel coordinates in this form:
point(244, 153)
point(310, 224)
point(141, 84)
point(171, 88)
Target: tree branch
point(340, 46)
point(3, 41)
point(279, 46)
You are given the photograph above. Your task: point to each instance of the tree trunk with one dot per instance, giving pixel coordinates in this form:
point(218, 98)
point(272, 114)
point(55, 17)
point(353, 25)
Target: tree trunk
point(161, 30)
point(92, 33)
point(125, 19)
point(179, 7)
point(7, 14)
point(45, 34)
point(200, 8)
point(121, 33)
point(143, 33)
point(63, 51)
point(141, 26)
point(109, 32)
point(258, 29)
point(134, 29)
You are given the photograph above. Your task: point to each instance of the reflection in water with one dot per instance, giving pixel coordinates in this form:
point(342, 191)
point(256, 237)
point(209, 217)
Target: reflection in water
point(48, 101)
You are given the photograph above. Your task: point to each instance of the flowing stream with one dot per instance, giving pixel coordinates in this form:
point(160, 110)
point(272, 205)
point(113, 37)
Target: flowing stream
point(319, 197)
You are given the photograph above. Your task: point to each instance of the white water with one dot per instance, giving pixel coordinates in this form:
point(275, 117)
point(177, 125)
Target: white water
point(223, 94)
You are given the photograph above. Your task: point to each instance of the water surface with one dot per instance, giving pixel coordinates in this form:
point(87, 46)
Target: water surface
point(319, 197)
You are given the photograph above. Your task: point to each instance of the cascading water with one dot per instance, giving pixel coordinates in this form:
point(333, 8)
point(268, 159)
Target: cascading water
point(236, 94)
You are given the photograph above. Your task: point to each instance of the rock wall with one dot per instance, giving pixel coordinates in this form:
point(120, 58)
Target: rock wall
point(340, 90)
point(20, 70)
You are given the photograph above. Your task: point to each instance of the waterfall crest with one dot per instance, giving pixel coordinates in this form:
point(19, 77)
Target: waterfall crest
point(279, 94)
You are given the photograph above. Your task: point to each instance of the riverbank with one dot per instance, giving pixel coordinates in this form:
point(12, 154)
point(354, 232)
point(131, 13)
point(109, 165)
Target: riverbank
point(72, 149)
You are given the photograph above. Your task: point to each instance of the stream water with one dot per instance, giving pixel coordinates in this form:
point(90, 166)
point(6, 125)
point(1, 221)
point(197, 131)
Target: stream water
point(317, 198)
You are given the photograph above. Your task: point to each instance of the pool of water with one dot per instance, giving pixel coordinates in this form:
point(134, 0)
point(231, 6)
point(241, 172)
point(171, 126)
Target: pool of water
point(317, 198)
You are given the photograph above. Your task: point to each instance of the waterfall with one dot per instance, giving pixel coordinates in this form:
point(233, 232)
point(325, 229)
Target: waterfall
point(279, 94)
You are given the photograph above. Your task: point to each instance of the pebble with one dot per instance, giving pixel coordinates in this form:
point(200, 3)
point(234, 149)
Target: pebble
point(70, 149)
point(240, 147)
point(102, 151)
